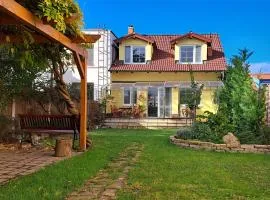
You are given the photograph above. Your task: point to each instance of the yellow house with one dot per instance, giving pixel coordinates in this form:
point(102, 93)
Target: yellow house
point(154, 71)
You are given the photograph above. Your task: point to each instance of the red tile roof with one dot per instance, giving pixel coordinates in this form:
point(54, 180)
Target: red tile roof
point(191, 35)
point(133, 36)
point(163, 57)
point(262, 76)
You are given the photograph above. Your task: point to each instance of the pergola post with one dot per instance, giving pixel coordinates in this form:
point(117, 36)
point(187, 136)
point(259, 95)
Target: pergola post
point(83, 104)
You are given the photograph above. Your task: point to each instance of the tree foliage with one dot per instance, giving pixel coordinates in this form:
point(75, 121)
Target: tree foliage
point(196, 92)
point(64, 15)
point(19, 69)
point(241, 106)
point(23, 65)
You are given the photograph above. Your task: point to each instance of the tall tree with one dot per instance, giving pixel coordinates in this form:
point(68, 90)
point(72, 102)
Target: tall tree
point(240, 103)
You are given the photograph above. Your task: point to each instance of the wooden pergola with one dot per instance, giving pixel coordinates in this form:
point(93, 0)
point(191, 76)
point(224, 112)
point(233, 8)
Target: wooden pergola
point(12, 13)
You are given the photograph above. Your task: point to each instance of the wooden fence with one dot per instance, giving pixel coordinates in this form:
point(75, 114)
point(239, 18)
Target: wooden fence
point(95, 115)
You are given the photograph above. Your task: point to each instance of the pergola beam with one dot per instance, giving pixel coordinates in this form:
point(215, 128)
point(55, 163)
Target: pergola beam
point(86, 39)
point(21, 14)
point(78, 62)
point(17, 38)
point(16, 14)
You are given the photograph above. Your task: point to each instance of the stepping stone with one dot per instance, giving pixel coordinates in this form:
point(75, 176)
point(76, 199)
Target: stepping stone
point(110, 192)
point(110, 179)
point(117, 185)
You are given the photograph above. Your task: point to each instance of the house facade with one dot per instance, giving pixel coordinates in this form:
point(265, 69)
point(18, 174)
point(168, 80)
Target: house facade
point(153, 71)
point(101, 55)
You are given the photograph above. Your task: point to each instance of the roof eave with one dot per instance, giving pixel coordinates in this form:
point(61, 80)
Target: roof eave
point(120, 70)
point(134, 36)
point(191, 36)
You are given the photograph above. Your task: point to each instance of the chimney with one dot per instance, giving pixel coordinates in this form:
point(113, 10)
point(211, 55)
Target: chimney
point(130, 29)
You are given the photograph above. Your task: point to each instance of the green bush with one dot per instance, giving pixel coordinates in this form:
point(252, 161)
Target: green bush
point(241, 108)
point(203, 132)
point(185, 133)
point(218, 123)
point(220, 126)
point(265, 135)
point(198, 131)
point(5, 127)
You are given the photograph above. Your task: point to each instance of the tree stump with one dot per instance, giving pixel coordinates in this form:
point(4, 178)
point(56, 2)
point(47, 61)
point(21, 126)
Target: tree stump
point(63, 147)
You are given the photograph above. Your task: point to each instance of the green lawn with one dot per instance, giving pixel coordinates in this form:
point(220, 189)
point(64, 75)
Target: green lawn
point(164, 171)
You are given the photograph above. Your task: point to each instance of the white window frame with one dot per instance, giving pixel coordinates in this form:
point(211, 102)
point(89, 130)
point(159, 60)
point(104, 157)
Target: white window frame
point(131, 96)
point(194, 54)
point(131, 54)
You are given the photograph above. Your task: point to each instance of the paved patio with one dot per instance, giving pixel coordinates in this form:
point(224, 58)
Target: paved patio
point(16, 164)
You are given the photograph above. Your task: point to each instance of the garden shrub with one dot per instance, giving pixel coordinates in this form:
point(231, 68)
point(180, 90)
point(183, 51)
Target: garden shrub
point(5, 127)
point(218, 123)
point(198, 131)
point(185, 133)
point(241, 108)
point(203, 132)
point(10, 131)
point(265, 135)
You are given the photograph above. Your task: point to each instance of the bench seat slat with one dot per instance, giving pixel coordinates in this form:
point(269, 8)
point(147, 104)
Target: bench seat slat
point(49, 122)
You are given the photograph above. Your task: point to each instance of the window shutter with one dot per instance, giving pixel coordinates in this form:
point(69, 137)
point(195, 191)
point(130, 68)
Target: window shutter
point(198, 57)
point(127, 54)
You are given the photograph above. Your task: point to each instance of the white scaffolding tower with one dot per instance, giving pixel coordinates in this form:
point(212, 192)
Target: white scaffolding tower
point(103, 61)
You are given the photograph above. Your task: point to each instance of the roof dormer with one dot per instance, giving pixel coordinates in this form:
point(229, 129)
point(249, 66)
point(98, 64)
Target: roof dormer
point(135, 48)
point(191, 48)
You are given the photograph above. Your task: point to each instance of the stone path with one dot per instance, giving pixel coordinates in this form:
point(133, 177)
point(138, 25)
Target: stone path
point(16, 164)
point(110, 180)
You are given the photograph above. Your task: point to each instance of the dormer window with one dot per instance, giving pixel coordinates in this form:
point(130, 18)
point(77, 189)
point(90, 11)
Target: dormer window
point(190, 54)
point(134, 54)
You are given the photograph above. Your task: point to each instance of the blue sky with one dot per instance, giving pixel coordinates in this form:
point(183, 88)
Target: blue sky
point(240, 23)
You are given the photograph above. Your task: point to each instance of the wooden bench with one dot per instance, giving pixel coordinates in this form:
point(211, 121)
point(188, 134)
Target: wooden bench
point(51, 124)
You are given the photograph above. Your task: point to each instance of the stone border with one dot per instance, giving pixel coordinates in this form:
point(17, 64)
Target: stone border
point(244, 148)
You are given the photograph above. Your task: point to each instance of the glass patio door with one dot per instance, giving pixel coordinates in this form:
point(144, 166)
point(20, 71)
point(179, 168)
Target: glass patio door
point(164, 102)
point(161, 105)
point(159, 102)
point(152, 102)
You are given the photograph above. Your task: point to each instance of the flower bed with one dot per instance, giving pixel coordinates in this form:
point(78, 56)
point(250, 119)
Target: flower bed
point(243, 148)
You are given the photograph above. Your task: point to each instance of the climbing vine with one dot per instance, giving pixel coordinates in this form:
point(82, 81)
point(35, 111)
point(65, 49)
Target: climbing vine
point(64, 15)
point(22, 64)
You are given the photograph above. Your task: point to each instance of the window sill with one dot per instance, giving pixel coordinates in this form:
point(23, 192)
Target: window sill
point(135, 63)
point(185, 63)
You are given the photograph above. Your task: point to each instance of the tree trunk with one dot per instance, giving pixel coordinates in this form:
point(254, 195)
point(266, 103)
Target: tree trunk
point(61, 87)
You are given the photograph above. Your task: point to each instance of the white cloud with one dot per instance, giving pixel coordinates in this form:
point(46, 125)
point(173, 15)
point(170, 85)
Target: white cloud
point(263, 67)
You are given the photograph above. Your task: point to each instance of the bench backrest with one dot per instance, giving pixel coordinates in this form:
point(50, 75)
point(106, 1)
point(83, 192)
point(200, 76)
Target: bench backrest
point(49, 122)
